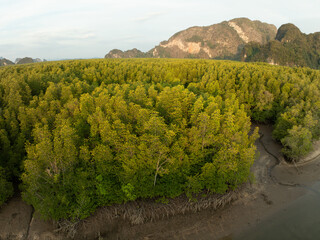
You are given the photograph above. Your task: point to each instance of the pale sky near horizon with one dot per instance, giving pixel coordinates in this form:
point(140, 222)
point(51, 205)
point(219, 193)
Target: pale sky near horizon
point(65, 29)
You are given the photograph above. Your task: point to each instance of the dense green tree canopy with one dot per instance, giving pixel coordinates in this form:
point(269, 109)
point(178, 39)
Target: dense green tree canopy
point(89, 133)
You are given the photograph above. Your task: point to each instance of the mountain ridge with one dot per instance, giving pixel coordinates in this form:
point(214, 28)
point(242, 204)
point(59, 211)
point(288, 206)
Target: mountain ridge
point(5, 62)
point(290, 48)
point(238, 39)
point(25, 60)
point(221, 40)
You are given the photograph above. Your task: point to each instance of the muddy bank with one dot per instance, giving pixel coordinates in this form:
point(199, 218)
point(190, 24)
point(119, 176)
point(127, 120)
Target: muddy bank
point(297, 220)
point(276, 185)
point(15, 217)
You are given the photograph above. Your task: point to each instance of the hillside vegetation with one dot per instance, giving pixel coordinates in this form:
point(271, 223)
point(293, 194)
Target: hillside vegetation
point(291, 48)
point(89, 133)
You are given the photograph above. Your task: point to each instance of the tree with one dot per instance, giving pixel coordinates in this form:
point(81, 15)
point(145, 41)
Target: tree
point(6, 188)
point(297, 143)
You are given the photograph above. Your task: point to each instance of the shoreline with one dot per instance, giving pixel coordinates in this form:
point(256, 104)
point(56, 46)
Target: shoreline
point(276, 186)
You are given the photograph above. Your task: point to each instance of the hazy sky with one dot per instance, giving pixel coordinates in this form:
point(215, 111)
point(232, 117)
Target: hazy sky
point(59, 29)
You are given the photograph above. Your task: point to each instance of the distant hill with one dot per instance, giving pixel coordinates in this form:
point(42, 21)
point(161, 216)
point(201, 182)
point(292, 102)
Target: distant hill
point(224, 40)
point(291, 47)
point(24, 60)
point(133, 53)
point(5, 62)
point(28, 60)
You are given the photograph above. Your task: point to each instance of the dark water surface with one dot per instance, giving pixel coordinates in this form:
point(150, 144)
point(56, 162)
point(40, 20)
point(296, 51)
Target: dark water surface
point(298, 220)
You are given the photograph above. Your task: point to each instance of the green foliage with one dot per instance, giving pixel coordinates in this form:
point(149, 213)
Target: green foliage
point(298, 142)
point(195, 38)
point(128, 191)
point(90, 133)
point(291, 48)
point(211, 45)
point(6, 188)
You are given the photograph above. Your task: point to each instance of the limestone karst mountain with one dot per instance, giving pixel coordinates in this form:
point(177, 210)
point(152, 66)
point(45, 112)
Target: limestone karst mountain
point(224, 40)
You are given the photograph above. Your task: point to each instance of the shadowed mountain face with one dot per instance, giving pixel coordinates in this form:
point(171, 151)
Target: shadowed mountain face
point(224, 41)
point(291, 47)
point(288, 32)
point(5, 62)
point(24, 60)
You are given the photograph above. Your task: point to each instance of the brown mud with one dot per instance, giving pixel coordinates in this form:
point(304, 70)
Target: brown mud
point(275, 186)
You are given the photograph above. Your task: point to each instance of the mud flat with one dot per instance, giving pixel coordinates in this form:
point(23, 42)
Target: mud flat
point(298, 220)
point(15, 217)
point(278, 188)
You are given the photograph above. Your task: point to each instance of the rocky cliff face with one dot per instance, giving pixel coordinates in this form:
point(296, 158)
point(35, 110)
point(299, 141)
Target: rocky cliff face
point(224, 40)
